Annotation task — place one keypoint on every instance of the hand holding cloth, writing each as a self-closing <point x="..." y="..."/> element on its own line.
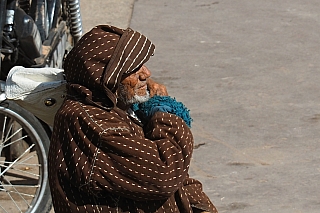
<point x="163" y="104"/>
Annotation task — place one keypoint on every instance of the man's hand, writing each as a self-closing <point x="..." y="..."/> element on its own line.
<point x="156" y="89"/>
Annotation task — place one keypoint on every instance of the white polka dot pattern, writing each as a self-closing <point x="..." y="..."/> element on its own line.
<point x="102" y="161"/>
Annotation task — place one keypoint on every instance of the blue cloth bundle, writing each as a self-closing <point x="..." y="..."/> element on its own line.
<point x="162" y="104"/>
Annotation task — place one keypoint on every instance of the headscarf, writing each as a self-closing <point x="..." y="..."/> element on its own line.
<point x="101" y="57"/>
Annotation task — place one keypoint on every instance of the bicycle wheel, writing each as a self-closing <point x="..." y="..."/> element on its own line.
<point x="23" y="179"/>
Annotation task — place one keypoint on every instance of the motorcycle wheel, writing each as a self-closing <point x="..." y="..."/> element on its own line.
<point x="24" y="183"/>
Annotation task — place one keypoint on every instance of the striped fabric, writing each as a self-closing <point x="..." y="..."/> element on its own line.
<point x="103" y="55"/>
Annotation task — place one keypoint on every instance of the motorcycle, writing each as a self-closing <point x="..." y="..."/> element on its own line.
<point x="36" y="36"/>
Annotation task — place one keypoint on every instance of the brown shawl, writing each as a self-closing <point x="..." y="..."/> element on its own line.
<point x="99" y="159"/>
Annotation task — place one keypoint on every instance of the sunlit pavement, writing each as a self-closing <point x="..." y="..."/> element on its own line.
<point x="249" y="72"/>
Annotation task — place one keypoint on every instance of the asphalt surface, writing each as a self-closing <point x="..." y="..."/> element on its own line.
<point x="248" y="70"/>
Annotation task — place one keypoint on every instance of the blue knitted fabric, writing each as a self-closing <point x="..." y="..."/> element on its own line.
<point x="163" y="104"/>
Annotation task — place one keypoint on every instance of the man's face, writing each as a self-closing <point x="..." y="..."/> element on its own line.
<point x="133" y="88"/>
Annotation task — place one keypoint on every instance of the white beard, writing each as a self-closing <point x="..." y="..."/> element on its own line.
<point x="139" y="99"/>
<point x="123" y="96"/>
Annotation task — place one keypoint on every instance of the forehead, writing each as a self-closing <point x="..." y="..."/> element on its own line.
<point x="133" y="74"/>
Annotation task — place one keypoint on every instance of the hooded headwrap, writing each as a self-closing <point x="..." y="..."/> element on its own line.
<point x="101" y="57"/>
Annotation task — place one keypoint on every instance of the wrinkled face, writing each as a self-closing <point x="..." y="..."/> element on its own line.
<point x="133" y="88"/>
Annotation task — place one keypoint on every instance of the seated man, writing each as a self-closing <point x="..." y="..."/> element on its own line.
<point x="102" y="158"/>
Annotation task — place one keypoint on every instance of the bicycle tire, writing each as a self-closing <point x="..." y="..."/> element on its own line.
<point x="29" y="168"/>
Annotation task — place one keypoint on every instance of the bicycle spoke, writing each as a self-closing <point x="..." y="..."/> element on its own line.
<point x="26" y="172"/>
<point x="22" y="171"/>
<point x="3" y="209"/>
<point x="11" y="136"/>
<point x="21" y="186"/>
<point x="3" y="131"/>
<point x="27" y="150"/>
<point x="15" y="203"/>
<point x="28" y="158"/>
<point x="10" y="124"/>
<point x="21" y="164"/>
<point x="17" y="140"/>
<point x="16" y="191"/>
<point x="23" y="157"/>
<point x="19" y="193"/>
<point x="3" y="128"/>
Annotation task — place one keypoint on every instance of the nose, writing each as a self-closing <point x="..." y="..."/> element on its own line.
<point x="144" y="73"/>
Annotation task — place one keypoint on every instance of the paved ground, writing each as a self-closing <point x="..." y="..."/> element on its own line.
<point x="115" y="12"/>
<point x="249" y="72"/>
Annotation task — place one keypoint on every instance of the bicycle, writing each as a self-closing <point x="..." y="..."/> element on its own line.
<point x="35" y="34"/>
